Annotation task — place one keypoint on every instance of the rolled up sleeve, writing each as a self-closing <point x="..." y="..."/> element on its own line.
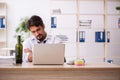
<point x="26" y="45"/>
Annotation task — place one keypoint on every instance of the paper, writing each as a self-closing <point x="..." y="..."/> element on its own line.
<point x="7" y="57"/>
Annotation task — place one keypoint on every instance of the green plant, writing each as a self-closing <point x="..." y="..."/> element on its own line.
<point x="22" y="26"/>
<point x="22" y="29"/>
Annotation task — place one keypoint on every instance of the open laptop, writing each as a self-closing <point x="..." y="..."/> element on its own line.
<point x="48" y="53"/>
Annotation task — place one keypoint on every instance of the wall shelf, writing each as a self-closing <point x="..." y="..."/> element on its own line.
<point x="103" y="17"/>
<point x="3" y="26"/>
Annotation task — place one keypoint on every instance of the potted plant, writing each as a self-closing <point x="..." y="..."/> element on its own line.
<point x="22" y="30"/>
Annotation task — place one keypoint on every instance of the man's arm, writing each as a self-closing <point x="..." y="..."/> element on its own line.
<point x="27" y="50"/>
<point x="29" y="54"/>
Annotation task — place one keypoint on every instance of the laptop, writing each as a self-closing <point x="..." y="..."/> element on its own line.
<point x="48" y="54"/>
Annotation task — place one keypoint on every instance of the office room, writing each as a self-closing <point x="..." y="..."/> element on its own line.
<point x="88" y="29"/>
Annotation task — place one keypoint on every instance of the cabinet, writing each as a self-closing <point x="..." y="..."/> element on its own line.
<point x="65" y="14"/>
<point x="3" y="27"/>
<point x="91" y="27"/>
<point x="113" y="26"/>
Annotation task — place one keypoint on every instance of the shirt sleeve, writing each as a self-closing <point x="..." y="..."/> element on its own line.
<point x="26" y="45"/>
<point x="25" y="57"/>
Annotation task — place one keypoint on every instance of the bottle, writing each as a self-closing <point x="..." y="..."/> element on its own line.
<point x="18" y="50"/>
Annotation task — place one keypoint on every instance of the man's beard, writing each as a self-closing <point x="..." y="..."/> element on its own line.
<point x="40" y="37"/>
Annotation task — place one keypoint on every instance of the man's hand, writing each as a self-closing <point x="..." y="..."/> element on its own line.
<point x="27" y="50"/>
<point x="30" y="54"/>
<point x="30" y="57"/>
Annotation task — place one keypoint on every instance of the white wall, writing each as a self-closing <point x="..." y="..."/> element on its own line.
<point x="17" y="9"/>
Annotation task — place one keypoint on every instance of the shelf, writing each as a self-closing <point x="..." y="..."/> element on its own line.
<point x="85" y="28"/>
<point x="90" y="0"/>
<point x="113" y="29"/>
<point x="101" y="16"/>
<point x="63" y="14"/>
<point x="2" y="29"/>
<point x="92" y="14"/>
<point x="2" y="16"/>
<point x="115" y="43"/>
<point x="3" y="25"/>
<point x="2" y="8"/>
<point x="113" y="14"/>
<point x="2" y="42"/>
<point x="113" y="57"/>
<point x="82" y="14"/>
<point x="114" y="0"/>
<point x="78" y="0"/>
<point x="63" y="0"/>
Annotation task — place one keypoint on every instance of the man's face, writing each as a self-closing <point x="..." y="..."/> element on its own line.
<point x="38" y="32"/>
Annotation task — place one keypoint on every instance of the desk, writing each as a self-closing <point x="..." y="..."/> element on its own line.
<point x="91" y="71"/>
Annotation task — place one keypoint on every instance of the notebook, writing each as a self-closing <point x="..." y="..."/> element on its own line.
<point x="48" y="53"/>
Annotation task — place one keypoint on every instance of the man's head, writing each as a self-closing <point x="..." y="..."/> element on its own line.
<point x="36" y="26"/>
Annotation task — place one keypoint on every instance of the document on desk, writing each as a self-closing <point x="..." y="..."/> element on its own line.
<point x="7" y="59"/>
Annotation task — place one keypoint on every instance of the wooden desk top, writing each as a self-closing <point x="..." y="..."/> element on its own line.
<point x="65" y="67"/>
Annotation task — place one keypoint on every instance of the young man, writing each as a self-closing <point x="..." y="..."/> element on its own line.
<point x="36" y="26"/>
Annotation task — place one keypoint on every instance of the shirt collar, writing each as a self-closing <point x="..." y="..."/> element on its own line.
<point x="33" y="38"/>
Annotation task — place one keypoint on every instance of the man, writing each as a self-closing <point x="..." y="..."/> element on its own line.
<point x="36" y="26"/>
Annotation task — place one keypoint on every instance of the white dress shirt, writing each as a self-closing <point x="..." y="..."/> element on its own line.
<point x="28" y="44"/>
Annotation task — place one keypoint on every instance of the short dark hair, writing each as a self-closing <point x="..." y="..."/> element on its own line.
<point x="34" y="21"/>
